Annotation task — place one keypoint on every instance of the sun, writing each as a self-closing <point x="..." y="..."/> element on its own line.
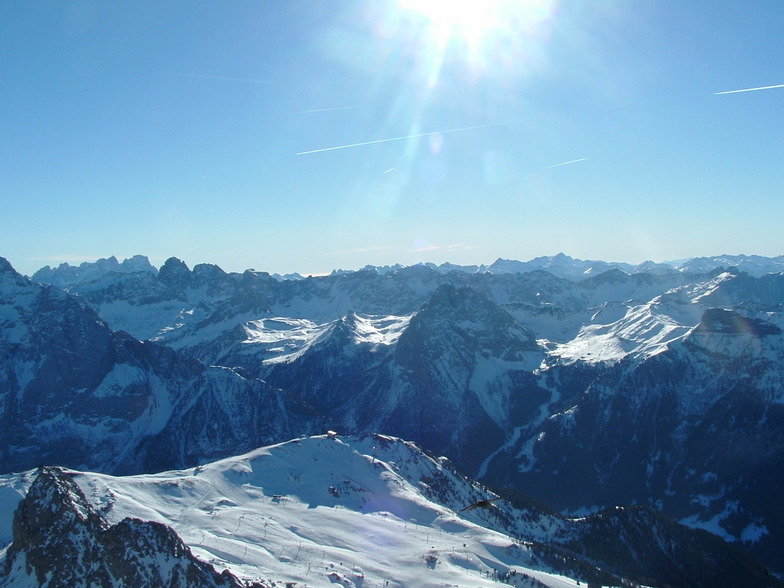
<point x="484" y="30"/>
<point x="470" y="20"/>
<point x="501" y="38"/>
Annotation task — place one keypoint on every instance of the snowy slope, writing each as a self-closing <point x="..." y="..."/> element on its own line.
<point x="364" y="511"/>
<point x="641" y="330"/>
<point x="617" y="330"/>
<point x="284" y="339"/>
<point x="318" y="512"/>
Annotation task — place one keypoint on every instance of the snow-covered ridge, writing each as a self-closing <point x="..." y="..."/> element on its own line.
<point x="354" y="511"/>
<point x="284" y="339"/>
<point x="316" y="512"/>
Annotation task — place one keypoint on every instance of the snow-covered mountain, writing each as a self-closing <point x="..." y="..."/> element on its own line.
<point x="559" y="265"/>
<point x="325" y="510"/>
<point x="74" y="392"/>
<point x="657" y="386"/>
<point x="60" y="539"/>
<point x="754" y="265"/>
<point x="441" y="377"/>
<point x="696" y="430"/>
<point x="66" y="274"/>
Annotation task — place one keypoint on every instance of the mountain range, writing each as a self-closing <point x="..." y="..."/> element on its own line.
<point x="581" y="385"/>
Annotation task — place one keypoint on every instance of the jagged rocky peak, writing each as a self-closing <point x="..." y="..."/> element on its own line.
<point x="10" y="279"/>
<point x="59" y="539"/>
<point x="349" y="321"/>
<point x="54" y="507"/>
<point x="342" y="335"/>
<point x="469" y="314"/>
<point x="466" y="304"/>
<point x="448" y="296"/>
<point x="652" y="267"/>
<point x="207" y="272"/>
<point x="212" y="276"/>
<point x="5" y="266"/>
<point x="52" y="531"/>
<point x="611" y="276"/>
<point x="65" y="275"/>
<point x="345" y="329"/>
<point x="419" y="271"/>
<point x="138" y="263"/>
<point x="458" y="301"/>
<point x="105" y="263"/>
<point x="175" y="273"/>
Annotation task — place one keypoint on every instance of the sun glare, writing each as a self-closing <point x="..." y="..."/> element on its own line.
<point x="489" y="34"/>
<point x="471" y="20"/>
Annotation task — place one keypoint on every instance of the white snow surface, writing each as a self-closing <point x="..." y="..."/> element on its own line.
<point x="642" y="330"/>
<point x="617" y="330"/>
<point x="318" y="511"/>
<point x="751" y="533"/>
<point x="284" y="339"/>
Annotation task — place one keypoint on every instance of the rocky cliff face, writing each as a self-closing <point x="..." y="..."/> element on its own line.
<point x="451" y="379"/>
<point x="656" y="551"/>
<point x="65" y="275"/>
<point x="696" y="431"/>
<point x="75" y="393"/>
<point x="59" y="539"/>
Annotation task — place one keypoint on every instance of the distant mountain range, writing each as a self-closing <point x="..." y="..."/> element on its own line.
<point x="580" y="384"/>
<point x="559" y="265"/>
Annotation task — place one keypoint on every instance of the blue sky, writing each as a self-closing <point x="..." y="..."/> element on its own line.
<point x="204" y="130"/>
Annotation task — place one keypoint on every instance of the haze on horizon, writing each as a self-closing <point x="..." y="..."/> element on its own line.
<point x="293" y="137"/>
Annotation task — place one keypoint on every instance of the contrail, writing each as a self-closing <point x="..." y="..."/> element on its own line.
<point x="566" y="162"/>
<point x="749" y="89"/>
<point x="444" y="132"/>
<point x="334" y="108"/>
<point x="219" y="78"/>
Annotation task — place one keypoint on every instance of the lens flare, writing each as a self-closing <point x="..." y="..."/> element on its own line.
<point x="500" y="39"/>
<point x="469" y="19"/>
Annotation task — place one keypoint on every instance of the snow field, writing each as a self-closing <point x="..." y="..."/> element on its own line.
<point x="318" y="512"/>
